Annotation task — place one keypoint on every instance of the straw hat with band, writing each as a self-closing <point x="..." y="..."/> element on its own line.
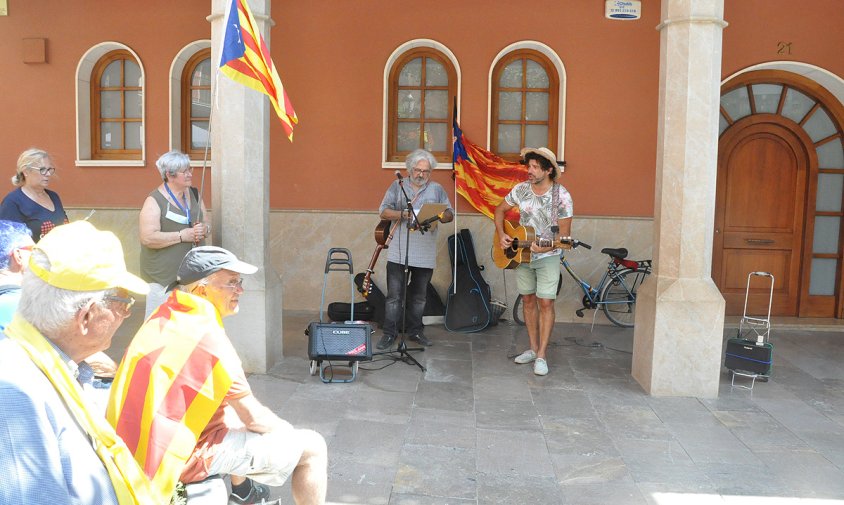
<point x="545" y="153"/>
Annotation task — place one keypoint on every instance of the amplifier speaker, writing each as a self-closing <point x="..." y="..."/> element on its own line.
<point x="340" y="341"/>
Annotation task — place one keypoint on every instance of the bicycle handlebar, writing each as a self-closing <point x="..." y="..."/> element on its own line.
<point x="575" y="243"/>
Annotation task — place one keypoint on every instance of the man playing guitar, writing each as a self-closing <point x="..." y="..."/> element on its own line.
<point x="422" y="256"/>
<point x="547" y="207"/>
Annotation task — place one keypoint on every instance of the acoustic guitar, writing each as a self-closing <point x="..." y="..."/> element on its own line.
<point x="383" y="236"/>
<point x="519" y="250"/>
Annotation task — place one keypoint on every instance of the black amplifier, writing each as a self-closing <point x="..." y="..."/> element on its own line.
<point x="339" y="341"/>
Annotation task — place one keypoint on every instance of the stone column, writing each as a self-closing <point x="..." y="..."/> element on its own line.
<point x="680" y="312"/>
<point x="240" y="136"/>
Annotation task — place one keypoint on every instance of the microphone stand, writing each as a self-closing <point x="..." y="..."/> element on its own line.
<point x="403" y="350"/>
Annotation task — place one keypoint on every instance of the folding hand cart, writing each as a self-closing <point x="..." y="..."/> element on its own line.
<point x="350" y="341"/>
<point x="750" y="353"/>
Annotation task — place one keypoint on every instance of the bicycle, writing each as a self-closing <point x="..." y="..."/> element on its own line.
<point x="615" y="294"/>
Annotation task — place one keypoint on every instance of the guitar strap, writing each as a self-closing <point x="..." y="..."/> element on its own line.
<point x="555" y="211"/>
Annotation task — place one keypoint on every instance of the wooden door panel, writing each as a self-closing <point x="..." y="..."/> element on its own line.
<point x="760" y="186"/>
<point x="760" y="201"/>
<point x="737" y="264"/>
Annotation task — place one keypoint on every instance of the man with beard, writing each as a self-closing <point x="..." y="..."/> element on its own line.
<point x="421" y="249"/>
<point x="547" y="207"/>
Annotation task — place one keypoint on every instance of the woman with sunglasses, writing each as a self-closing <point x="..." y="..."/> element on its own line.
<point x="31" y="203"/>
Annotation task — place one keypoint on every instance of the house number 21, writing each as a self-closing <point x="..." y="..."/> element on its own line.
<point x="783" y="47"/>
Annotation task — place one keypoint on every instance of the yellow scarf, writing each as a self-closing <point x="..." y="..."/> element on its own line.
<point x="130" y="484"/>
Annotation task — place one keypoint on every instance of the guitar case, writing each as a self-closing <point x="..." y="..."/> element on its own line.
<point x="468" y="307"/>
<point x="377" y="299"/>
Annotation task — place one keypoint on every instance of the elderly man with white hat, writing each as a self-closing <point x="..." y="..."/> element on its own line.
<point x="545" y="206"/>
<point x="55" y="445"/>
<point x="182" y="403"/>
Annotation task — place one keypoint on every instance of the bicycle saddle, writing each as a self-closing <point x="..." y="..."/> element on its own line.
<point x="619" y="253"/>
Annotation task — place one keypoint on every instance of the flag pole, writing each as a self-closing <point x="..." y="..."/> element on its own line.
<point x="454" y="176"/>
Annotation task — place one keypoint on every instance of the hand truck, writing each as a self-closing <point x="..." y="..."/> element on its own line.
<point x="750" y="353"/>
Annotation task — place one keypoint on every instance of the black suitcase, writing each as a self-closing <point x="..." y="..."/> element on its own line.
<point x="748" y="356"/>
<point x="342" y="311"/>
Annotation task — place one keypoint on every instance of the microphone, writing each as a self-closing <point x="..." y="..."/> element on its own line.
<point x="398" y="175"/>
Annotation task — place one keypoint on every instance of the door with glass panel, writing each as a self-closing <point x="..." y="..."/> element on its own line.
<point x="779" y="195"/>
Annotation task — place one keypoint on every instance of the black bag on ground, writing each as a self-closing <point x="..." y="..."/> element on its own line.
<point x="378" y="300"/>
<point x="342" y="311"/>
<point x="468" y="306"/>
<point x="748" y="356"/>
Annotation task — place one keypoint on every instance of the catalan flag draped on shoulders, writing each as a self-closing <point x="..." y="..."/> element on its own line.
<point x="483" y="178"/>
<point x="246" y="59"/>
<point x="171" y="382"/>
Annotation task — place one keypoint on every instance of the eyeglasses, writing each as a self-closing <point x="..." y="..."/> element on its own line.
<point x="421" y="172"/>
<point x="44" y="170"/>
<point x="188" y="170"/>
<point x="234" y="285"/>
<point x="129" y="302"/>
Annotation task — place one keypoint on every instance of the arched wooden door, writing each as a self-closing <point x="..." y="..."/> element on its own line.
<point x="780" y="195"/>
<point x="759" y="214"/>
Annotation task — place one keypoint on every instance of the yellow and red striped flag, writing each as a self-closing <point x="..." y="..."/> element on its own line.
<point x="168" y="386"/>
<point x="483" y="178"/>
<point x="246" y="59"/>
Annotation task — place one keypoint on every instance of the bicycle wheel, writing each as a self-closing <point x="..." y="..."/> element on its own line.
<point x="517" y="311"/>
<point x="618" y="298"/>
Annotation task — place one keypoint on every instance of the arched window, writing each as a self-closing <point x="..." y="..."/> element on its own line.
<point x="196" y="104"/>
<point x="525" y="101"/>
<point x="116" y="107"/>
<point x="422" y="84"/>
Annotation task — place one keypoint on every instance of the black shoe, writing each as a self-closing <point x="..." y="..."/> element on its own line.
<point x="421" y="339"/>
<point x="257" y="495"/>
<point x="386" y="342"/>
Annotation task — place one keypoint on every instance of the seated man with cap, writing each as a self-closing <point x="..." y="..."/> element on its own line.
<point x="181" y="401"/>
<point x="55" y="445"/>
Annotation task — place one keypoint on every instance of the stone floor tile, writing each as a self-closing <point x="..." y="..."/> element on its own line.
<point x="506" y="415"/>
<point x="513" y="453"/>
<point x="501" y="387"/>
<point x="367" y="441"/>
<point x="604" y="493"/>
<point x="448" y="370"/>
<point x="496" y="489"/>
<point x="381" y="406"/>
<point x="436" y="471"/>
<point x="445" y="396"/>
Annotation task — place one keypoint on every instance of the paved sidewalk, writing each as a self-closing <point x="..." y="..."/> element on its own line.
<point x="475" y="428"/>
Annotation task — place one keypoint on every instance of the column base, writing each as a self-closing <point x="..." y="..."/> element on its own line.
<point x="678" y="338"/>
<point x="256" y="330"/>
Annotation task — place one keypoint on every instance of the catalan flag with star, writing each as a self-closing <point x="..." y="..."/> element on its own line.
<point x="169" y="385"/>
<point x="483" y="178"/>
<point x="246" y="59"/>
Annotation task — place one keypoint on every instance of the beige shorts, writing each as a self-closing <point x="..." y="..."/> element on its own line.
<point x="539" y="277"/>
<point x="268" y="458"/>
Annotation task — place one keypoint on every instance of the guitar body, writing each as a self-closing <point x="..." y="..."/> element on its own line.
<point x="519" y="250"/>
<point x="382" y="232"/>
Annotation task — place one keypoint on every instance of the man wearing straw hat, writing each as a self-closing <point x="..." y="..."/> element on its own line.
<point x="545" y="206"/>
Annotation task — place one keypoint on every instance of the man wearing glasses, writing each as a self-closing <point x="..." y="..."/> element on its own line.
<point x="55" y="445"/>
<point x="421" y="248"/>
<point x="182" y="403"/>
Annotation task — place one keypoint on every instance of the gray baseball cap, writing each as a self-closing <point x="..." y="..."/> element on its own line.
<point x="200" y="262"/>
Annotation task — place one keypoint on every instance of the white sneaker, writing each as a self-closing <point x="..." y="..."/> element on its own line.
<point x="540" y="367"/>
<point x="525" y="357"/>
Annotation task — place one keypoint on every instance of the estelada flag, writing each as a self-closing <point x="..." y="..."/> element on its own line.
<point x="246" y="59"/>
<point x="484" y="178"/>
<point x="168" y="386"/>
